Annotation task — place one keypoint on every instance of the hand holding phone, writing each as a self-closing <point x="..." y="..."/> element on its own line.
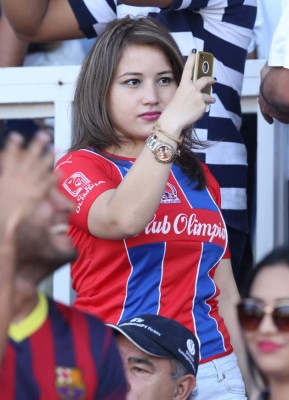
<point x="204" y="66"/>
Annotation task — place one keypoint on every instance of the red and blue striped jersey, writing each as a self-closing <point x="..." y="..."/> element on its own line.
<point x="224" y="28"/>
<point x="58" y="352"/>
<point x="167" y="269"/>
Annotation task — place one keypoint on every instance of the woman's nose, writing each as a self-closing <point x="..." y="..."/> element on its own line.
<point x="267" y="324"/>
<point x="150" y="93"/>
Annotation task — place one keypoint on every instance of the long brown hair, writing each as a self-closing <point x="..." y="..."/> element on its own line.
<point x="92" y="125"/>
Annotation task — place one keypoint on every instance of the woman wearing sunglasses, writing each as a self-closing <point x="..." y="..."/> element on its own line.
<point x="264" y="318"/>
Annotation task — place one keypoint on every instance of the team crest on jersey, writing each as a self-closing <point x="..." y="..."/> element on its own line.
<point x="170" y="195"/>
<point x="69" y="383"/>
<point x="76" y="183"/>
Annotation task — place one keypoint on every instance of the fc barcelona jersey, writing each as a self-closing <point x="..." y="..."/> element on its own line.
<point x="167" y="269"/>
<point x="60" y="353"/>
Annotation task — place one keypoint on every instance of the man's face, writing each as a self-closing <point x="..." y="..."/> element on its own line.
<point x="43" y="239"/>
<point x="149" y="377"/>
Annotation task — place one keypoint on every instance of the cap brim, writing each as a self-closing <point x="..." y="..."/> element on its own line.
<point x="143" y="342"/>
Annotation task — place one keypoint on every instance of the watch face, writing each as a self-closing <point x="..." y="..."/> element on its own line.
<point x="164" y="153"/>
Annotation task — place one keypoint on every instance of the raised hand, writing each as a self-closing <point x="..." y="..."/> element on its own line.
<point x="189" y="103"/>
<point x="273" y="99"/>
<point x="25" y="178"/>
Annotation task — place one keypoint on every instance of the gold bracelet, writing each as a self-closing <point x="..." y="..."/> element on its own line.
<point x="157" y="128"/>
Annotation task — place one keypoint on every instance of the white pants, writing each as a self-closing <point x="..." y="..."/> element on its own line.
<point x="220" y="379"/>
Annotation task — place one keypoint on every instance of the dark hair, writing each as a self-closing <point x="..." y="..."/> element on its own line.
<point x="92" y="126"/>
<point x="280" y="255"/>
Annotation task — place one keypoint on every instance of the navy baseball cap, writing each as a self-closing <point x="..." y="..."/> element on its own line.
<point x="162" y="337"/>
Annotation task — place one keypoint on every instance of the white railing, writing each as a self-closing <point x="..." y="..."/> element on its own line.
<point x="272" y="169"/>
<point x="40" y="92"/>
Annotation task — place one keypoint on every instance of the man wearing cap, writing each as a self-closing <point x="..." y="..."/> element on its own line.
<point x="160" y="357"/>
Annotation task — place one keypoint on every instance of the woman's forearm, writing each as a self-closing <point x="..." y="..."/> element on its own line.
<point x="41" y="20"/>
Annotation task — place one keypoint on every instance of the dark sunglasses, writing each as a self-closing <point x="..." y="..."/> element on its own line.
<point x="251" y="313"/>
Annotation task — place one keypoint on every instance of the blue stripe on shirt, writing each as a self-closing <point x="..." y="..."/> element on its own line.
<point x="144" y="279"/>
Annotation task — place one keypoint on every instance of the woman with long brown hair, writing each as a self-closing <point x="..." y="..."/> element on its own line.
<point x="147" y="223"/>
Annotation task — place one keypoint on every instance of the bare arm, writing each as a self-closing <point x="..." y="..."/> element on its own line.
<point x="12" y="50"/>
<point x="7" y="271"/>
<point x="115" y="214"/>
<point x="273" y="99"/>
<point x="228" y="298"/>
<point x="41" y="20"/>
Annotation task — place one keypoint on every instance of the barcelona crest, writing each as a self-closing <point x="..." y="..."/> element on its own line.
<point x="69" y="383"/>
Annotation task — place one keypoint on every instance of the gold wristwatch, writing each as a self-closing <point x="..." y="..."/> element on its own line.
<point x="163" y="152"/>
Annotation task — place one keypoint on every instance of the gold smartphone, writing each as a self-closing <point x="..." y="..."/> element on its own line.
<point x="204" y="66"/>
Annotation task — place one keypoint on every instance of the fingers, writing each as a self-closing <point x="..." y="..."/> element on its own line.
<point x="189" y="101"/>
<point x="265" y="110"/>
<point x="10" y="153"/>
<point x="268" y="118"/>
<point x="39" y="143"/>
<point x="201" y="83"/>
<point x="26" y="176"/>
<point x="188" y="68"/>
<point x="15" y="141"/>
<point x="37" y="162"/>
<point x="188" y="72"/>
<point x="38" y="154"/>
<point x="208" y="99"/>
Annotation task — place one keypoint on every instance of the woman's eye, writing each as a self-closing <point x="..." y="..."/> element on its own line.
<point x="132" y="82"/>
<point x="165" y="80"/>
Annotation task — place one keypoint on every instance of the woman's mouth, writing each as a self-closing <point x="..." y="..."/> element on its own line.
<point x="150" y="116"/>
<point x="269" y="347"/>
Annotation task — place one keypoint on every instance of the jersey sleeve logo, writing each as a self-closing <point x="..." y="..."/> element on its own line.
<point x="76" y="183"/>
<point x="69" y="383"/>
<point x="79" y="187"/>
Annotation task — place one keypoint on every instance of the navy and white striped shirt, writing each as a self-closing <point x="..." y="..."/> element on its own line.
<point x="223" y="27"/>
